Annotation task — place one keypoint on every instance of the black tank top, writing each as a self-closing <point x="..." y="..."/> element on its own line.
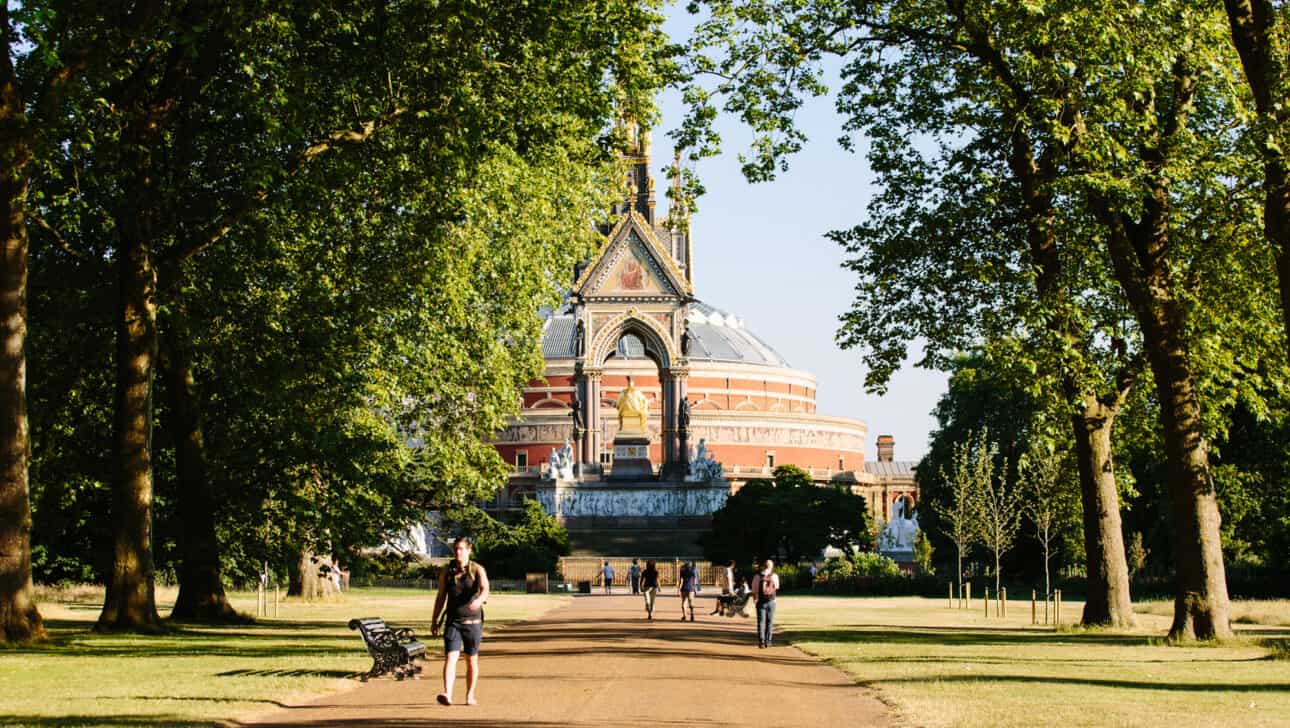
<point x="462" y="587"/>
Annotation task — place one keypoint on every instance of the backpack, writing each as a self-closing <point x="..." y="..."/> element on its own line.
<point x="766" y="588"/>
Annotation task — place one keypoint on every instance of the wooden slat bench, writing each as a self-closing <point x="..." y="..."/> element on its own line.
<point x="392" y="650"/>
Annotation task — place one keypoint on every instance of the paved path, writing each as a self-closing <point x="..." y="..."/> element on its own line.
<point x="598" y="662"/>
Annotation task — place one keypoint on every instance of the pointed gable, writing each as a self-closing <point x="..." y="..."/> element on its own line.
<point x="632" y="264"/>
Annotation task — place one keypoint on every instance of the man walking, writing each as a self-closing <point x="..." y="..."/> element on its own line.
<point x="607" y="574"/>
<point x="634" y="576"/>
<point x="463" y="589"/>
<point x="765" y="587"/>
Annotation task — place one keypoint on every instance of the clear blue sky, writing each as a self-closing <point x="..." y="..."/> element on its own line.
<point x="760" y="253"/>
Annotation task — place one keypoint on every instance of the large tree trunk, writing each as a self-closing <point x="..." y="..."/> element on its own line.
<point x="1200" y="602"/>
<point x="1108" y="601"/>
<point x="131" y="603"/>
<point x="201" y="588"/>
<point x="1138" y="250"/>
<point x="19" y="619"/>
<point x="310" y="583"/>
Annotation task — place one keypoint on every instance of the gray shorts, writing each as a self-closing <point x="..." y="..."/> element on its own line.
<point x="463" y="638"/>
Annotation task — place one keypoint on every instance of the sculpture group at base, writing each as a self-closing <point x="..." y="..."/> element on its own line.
<point x="561" y="466"/>
<point x="703" y="467"/>
<point x="900" y="532"/>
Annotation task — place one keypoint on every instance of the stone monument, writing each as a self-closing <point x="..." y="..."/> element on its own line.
<point x="631" y="444"/>
<point x="897" y="539"/>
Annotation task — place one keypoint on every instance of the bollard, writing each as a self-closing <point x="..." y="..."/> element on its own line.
<point x="985" y="599"/>
<point x="950" y="588"/>
<point x="968" y="586"/>
<point x="275" y="600"/>
<point x="1057" y="609"/>
<point x="1003" y="602"/>
<point x="1034" y="609"/>
<point x="1047" y="598"/>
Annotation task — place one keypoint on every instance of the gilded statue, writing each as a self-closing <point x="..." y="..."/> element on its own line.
<point x="633" y="410"/>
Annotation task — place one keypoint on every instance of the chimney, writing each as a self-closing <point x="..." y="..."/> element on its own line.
<point x="886" y="448"/>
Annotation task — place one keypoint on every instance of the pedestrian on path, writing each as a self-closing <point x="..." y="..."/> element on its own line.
<point x="463" y="589"/>
<point x="726" y="582"/>
<point x="765" y="586"/>
<point x="634" y="576"/>
<point x="686" y="584"/>
<point x="607" y="575"/>
<point x="649" y="585"/>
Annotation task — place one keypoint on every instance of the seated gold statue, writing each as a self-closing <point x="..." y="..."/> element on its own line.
<point x="633" y="410"/>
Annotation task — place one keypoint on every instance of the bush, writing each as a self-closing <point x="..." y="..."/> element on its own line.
<point x="863" y="564"/>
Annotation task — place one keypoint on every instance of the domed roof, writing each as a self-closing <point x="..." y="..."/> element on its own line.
<point x="715" y="335"/>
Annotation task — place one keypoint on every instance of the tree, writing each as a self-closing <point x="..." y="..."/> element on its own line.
<point x="202" y="123"/>
<point x="996" y="507"/>
<point x="790" y="518"/>
<point x="966" y="243"/>
<point x="973" y="465"/>
<point x="1116" y="145"/>
<point x="19" y="619"/>
<point x="1258" y="32"/>
<point x="1047" y="497"/>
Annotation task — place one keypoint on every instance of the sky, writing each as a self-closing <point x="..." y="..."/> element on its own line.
<point x="760" y="253"/>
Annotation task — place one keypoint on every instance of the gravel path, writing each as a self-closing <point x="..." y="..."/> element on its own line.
<point x="598" y="662"/>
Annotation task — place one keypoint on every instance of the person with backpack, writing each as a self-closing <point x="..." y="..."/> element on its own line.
<point x="687" y="584"/>
<point x="634" y="576"/>
<point x="765" y="587"/>
<point x="463" y="589"/>
<point x="649" y="587"/>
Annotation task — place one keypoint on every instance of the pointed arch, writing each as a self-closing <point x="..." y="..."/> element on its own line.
<point x="658" y="341"/>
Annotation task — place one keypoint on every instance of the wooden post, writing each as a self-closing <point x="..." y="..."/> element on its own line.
<point x="969" y="594"/>
<point x="985" y="599"/>
<point x="275" y="600"/>
<point x="1034" y="609"/>
<point x="1047" y="599"/>
<point x="1003" y="602"/>
<point x="950" y="589"/>
<point x="1057" y="608"/>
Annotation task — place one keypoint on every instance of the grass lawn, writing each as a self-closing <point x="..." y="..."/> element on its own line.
<point x="944" y="667"/>
<point x="199" y="676"/>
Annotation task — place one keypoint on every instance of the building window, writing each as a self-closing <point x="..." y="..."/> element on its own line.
<point x="606" y="457"/>
<point x="770" y="460"/>
<point x="842" y="463"/>
<point x="522" y="459"/>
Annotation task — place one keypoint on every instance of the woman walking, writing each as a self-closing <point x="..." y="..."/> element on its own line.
<point x="463" y="588"/>
<point x="687" y="584"/>
<point x="649" y="587"/>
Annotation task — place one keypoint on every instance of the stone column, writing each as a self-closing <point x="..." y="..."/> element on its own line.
<point x="667" y="417"/>
<point x="679" y="444"/>
<point x="591" y="439"/>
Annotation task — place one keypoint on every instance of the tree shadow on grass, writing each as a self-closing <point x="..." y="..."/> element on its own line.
<point x="962" y="636"/>
<point x="67" y="721"/>
<point x="1093" y="682"/>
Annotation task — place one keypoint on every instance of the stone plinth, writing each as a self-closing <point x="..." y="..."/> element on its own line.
<point x="631" y="459"/>
<point x="622" y="500"/>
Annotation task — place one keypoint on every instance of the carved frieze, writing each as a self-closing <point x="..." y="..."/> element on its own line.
<point x="572" y="500"/>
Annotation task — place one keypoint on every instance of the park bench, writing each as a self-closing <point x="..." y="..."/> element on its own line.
<point x="392" y="650"/>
